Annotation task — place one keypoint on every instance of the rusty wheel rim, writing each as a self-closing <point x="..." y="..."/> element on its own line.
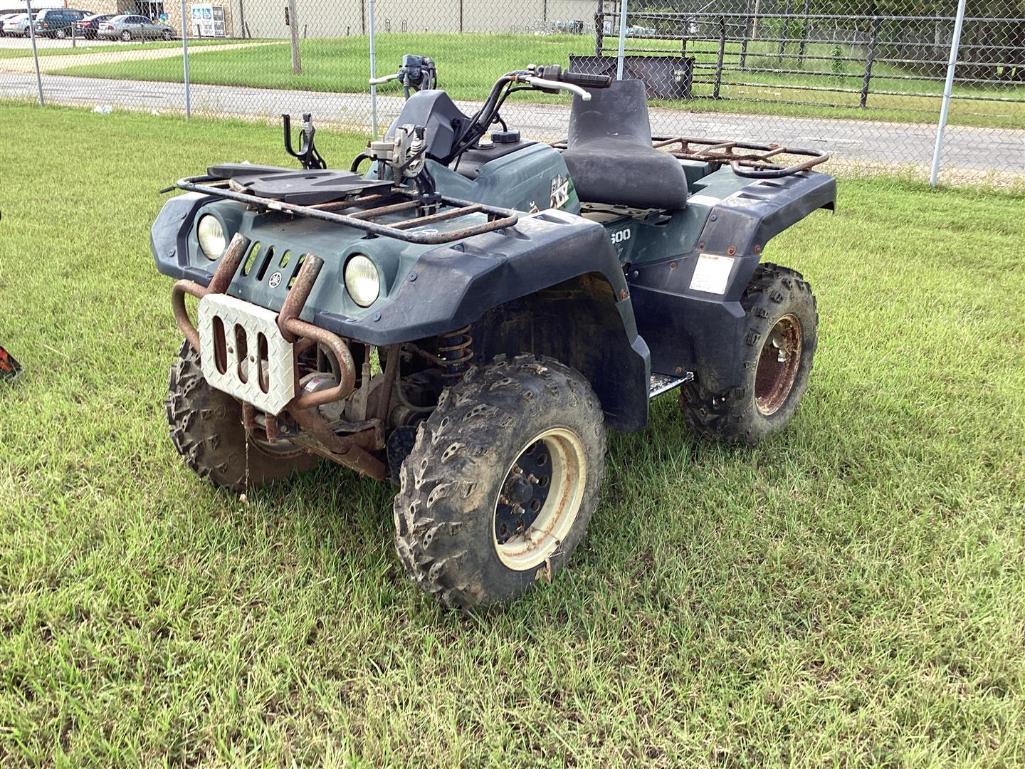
<point x="543" y="490"/>
<point x="778" y="364"/>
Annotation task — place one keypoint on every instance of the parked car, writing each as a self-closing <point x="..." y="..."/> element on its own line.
<point x="90" y="25"/>
<point x="16" y="26"/>
<point x="57" y="22"/>
<point x="135" y="28"/>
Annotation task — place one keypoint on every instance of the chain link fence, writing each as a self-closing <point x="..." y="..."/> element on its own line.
<point x="860" y="79"/>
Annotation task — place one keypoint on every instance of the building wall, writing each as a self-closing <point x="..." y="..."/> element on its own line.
<point x="339" y="18"/>
<point x="335" y="18"/>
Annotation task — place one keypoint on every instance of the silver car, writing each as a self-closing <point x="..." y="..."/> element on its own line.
<point x="135" y="28"/>
<point x="16" y="26"/>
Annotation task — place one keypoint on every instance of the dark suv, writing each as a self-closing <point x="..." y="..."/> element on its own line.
<point x="57" y="22"/>
<point x="90" y="25"/>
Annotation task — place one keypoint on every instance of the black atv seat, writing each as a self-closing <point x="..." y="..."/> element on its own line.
<point x="609" y="152"/>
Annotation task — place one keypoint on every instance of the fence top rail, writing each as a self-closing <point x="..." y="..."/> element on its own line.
<point x="683" y="15"/>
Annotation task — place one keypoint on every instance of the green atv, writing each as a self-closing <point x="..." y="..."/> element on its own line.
<point x="468" y="315"/>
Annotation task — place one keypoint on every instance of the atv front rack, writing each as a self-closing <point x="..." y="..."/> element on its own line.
<point x="366" y="211"/>
<point x="754" y="161"/>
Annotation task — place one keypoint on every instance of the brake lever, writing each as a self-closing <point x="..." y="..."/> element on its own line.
<point x="555" y="85"/>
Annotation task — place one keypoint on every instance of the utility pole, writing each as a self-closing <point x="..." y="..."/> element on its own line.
<point x="293" y="26"/>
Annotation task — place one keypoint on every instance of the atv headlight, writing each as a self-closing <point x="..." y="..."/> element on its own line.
<point x="362" y="280"/>
<point x="210" y="234"/>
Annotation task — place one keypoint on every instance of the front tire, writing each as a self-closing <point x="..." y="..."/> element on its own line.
<point x="206" y="429"/>
<point x="775" y="356"/>
<point x="501" y="483"/>
<point x="126" y="36"/>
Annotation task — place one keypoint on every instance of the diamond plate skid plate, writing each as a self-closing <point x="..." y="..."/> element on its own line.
<point x="279" y="374"/>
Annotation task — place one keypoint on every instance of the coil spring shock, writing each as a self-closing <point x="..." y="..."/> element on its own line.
<point x="455" y="350"/>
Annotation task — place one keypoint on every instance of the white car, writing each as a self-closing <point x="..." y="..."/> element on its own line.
<point x="16" y="26"/>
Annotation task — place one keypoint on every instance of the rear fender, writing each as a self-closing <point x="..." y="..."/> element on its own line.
<point x="691" y="325"/>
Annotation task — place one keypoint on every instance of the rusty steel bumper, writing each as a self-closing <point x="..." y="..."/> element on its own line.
<point x="349" y="450"/>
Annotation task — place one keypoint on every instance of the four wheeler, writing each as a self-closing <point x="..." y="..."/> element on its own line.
<point x="468" y="316"/>
<point x="416" y="73"/>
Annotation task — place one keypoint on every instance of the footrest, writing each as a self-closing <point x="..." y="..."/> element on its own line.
<point x="660" y="383"/>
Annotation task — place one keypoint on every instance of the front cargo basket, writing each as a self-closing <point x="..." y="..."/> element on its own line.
<point x="378" y="212"/>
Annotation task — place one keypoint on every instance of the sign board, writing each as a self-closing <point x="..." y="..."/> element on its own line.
<point x="207" y="20"/>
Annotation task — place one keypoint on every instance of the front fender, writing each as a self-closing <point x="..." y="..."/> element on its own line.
<point x="549" y="255"/>
<point x="454" y="285"/>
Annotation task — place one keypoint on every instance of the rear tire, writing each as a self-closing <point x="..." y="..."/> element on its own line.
<point x="126" y="36"/>
<point x="206" y="429"/>
<point x="776" y="355"/>
<point x="501" y="483"/>
<point x="165" y="35"/>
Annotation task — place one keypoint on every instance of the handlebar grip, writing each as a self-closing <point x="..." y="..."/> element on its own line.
<point x="586" y="80"/>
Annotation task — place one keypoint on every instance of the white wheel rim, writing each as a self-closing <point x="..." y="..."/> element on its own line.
<point x="554" y="521"/>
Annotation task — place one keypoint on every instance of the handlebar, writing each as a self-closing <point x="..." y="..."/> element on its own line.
<point x="548" y="78"/>
<point x="385" y="79"/>
<point x="583" y="79"/>
<point x="554" y="85"/>
<point x="586" y="80"/>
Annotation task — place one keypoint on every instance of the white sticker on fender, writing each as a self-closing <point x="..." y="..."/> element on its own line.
<point x="712" y="273"/>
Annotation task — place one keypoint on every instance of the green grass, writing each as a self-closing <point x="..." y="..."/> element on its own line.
<point x="340" y="65"/>
<point x="850" y="593"/>
<point x="136" y="45"/>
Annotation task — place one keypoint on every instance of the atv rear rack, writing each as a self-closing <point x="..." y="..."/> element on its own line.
<point x="370" y="208"/>
<point x="754" y="161"/>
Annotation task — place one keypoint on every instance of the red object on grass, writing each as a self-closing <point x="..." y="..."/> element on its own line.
<point x="9" y="367"/>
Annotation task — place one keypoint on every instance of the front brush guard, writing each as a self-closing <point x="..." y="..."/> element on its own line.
<point x="346" y="450"/>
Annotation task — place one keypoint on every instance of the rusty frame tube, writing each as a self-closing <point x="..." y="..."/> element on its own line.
<point x="293" y="328"/>
<point x="218" y="284"/>
<point x="349" y="451"/>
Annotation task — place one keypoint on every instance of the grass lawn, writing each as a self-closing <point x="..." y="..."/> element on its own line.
<point x="340" y="65"/>
<point x="850" y="593"/>
<point x="136" y="45"/>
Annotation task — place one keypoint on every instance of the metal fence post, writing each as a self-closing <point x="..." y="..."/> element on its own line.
<point x="719" y="57"/>
<point x="372" y="28"/>
<point x="804" y="35"/>
<point x="35" y="52"/>
<point x="293" y="31"/>
<point x="599" y="27"/>
<point x="743" y="43"/>
<point x="784" y="33"/>
<point x="621" y="56"/>
<point x="185" y="63"/>
<point x="948" y="90"/>
<point x="869" y="59"/>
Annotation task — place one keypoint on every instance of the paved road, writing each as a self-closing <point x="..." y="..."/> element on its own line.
<point x="862" y="143"/>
